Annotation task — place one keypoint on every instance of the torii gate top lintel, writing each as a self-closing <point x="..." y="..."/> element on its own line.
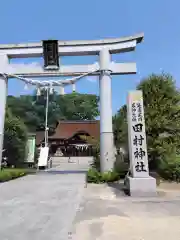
<point x="74" y="48"/>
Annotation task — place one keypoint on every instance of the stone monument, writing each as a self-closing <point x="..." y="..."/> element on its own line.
<point x="139" y="183"/>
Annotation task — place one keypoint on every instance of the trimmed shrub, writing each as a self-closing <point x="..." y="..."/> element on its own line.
<point x="120" y="166"/>
<point x="96" y="163"/>
<point x="9" y="174"/>
<point x="169" y="168"/>
<point x="93" y="176"/>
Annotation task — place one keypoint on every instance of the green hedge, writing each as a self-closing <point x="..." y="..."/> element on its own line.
<point x="9" y="174"/>
<point x="169" y="168"/>
<point x="94" y="176"/>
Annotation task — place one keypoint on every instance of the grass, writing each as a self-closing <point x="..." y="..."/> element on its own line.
<point x="8" y="174"/>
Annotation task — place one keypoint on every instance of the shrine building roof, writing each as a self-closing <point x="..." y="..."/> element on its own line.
<point x="67" y="129"/>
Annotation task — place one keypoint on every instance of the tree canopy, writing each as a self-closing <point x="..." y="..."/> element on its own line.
<point x="162" y="115"/>
<point x="120" y="127"/>
<point x="15" y="137"/>
<point x="75" y="106"/>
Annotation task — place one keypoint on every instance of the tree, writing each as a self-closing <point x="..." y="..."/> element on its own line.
<point x="15" y="138"/>
<point x="75" y="106"/>
<point x="120" y="128"/>
<point x="25" y="108"/>
<point x="162" y="116"/>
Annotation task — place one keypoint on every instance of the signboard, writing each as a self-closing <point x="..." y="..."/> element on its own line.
<point x="50" y="54"/>
<point x="137" y="135"/>
<point x="30" y="154"/>
<point x="43" y="157"/>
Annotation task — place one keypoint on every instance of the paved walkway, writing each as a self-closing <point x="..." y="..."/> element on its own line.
<point x="47" y="207"/>
<point x="106" y="213"/>
<point x="39" y="207"/>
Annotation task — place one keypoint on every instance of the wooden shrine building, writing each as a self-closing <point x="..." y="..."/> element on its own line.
<point x="72" y="138"/>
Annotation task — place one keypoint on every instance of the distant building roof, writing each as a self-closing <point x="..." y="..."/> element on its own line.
<point x="67" y="129"/>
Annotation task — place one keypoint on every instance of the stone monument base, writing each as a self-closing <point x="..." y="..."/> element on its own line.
<point x="141" y="187"/>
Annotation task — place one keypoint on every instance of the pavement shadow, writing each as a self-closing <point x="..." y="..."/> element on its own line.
<point x="119" y="189"/>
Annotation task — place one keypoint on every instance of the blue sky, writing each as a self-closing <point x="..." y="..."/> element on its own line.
<point x="31" y="21"/>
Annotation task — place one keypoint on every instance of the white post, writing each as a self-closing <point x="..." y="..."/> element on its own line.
<point x="107" y="157"/>
<point x="3" y="94"/>
<point x="46" y="117"/>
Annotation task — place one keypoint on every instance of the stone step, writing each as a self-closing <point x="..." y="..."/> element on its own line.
<point x="72" y="164"/>
<point x="71" y="167"/>
<point x="88" y="160"/>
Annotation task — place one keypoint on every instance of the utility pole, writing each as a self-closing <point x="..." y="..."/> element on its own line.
<point x="46" y="117"/>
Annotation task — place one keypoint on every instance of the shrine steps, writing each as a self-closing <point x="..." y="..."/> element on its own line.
<point x="72" y="163"/>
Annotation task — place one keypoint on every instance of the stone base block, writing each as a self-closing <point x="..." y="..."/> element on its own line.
<point x="141" y="187"/>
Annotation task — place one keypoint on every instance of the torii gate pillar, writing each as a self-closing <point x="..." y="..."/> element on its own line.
<point x="3" y="94"/>
<point x="107" y="155"/>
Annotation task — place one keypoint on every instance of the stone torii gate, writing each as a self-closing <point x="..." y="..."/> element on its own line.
<point x="104" y="69"/>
